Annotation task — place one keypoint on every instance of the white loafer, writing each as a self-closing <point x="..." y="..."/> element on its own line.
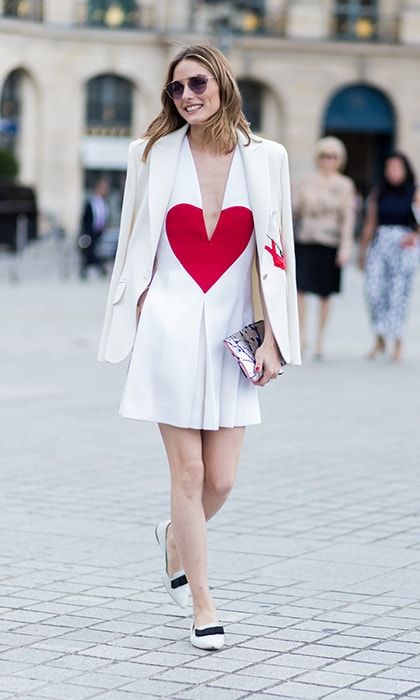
<point x="177" y="584"/>
<point x="207" y="636"/>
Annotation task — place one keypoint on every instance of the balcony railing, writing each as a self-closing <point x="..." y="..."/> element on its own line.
<point x="115" y="14"/>
<point x="31" y="10"/>
<point x="222" y="20"/>
<point x="357" y="21"/>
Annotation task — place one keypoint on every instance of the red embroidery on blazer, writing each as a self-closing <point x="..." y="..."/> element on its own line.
<point x="277" y="255"/>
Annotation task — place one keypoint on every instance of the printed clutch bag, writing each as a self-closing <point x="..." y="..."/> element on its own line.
<point x="243" y="345"/>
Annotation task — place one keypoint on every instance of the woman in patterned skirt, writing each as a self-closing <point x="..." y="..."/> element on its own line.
<point x="389" y="252"/>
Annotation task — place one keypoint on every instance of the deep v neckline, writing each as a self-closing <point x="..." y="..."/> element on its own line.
<point x="200" y="195"/>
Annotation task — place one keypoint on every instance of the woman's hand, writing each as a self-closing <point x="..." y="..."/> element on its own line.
<point x="268" y="359"/>
<point x="342" y="258"/>
<point x="410" y="239"/>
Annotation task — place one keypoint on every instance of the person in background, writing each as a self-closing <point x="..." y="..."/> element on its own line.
<point x="389" y="252"/>
<point x="94" y="221"/>
<point x="324" y="210"/>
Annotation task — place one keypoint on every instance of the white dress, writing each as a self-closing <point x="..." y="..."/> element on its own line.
<point x="180" y="373"/>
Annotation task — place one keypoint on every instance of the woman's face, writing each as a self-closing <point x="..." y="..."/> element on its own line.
<point x="196" y="109"/>
<point x="328" y="161"/>
<point x="395" y="171"/>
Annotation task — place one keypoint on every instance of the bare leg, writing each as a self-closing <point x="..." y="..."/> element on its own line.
<point x="203" y="469"/>
<point x="378" y="348"/>
<point x="324" y="310"/>
<point x="184" y="450"/>
<point x="221" y="450"/>
<point x="302" y="318"/>
<point x="396" y="355"/>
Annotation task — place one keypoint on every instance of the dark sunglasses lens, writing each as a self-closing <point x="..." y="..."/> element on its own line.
<point x="198" y="84"/>
<point x="175" y="90"/>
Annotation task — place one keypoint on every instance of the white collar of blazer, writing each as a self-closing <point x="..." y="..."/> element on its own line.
<point x="163" y="162"/>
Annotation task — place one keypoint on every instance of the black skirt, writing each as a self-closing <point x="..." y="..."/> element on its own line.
<point x="316" y="269"/>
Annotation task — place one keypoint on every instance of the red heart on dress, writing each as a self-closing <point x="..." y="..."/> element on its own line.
<point x="206" y="260"/>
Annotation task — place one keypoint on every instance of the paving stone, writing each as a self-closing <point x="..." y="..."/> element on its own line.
<point x="382" y="657"/>
<point x="358" y="668"/>
<point x="241" y="682"/>
<point x="325" y="677"/>
<point x="47" y="673"/>
<point x="402" y="673"/>
<point x="350" y="694"/>
<point x="108" y="651"/>
<point x="188" y="675"/>
<point x="203" y="693"/>
<point x="64" y="691"/>
<point x="161" y="689"/>
<point x="386" y="685"/>
<point x="30" y="655"/>
<point x="100" y="679"/>
<point x="78" y="662"/>
<point x="345" y="640"/>
<point x="131" y="669"/>
<point x="299" y="661"/>
<point x="323" y="650"/>
<point x="15" y="684"/>
<point x="292" y="689"/>
<point x="269" y="644"/>
<point x="268" y="670"/>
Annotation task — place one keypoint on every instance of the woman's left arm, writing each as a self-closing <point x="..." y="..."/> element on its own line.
<point x="348" y="224"/>
<point x="413" y="237"/>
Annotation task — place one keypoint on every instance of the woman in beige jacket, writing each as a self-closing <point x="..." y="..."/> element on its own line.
<point x="324" y="210"/>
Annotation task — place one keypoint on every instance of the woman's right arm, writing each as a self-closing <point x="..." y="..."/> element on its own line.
<point x="369" y="227"/>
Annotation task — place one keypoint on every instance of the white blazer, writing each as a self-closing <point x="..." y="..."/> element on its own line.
<point x="146" y="196"/>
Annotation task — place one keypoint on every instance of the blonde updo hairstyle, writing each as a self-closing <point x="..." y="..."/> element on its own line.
<point x="330" y="144"/>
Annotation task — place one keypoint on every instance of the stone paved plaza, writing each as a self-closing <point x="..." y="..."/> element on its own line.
<point x="314" y="561"/>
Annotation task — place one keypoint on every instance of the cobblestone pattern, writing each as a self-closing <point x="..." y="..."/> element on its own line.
<point x="314" y="561"/>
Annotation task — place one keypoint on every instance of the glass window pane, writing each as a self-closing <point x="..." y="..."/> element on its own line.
<point x="109" y="105"/>
<point x="24" y="9"/>
<point x="252" y="95"/>
<point x="112" y="13"/>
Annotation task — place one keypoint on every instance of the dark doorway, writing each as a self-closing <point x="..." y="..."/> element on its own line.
<point x="363" y="118"/>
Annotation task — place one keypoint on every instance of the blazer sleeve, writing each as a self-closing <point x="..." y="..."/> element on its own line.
<point x="126" y="225"/>
<point x="289" y="253"/>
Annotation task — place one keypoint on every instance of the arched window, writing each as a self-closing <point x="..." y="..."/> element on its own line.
<point x="109" y="106"/>
<point x="112" y="13"/>
<point x="32" y="10"/>
<point x="252" y="94"/>
<point x="10" y="110"/>
<point x="363" y="117"/>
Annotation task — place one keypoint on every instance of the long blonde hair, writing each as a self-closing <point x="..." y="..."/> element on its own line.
<point x="220" y="129"/>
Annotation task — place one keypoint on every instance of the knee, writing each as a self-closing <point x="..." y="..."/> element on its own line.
<point x="220" y="486"/>
<point x="188" y="478"/>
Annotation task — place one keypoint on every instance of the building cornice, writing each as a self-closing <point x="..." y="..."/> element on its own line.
<point x="74" y="33"/>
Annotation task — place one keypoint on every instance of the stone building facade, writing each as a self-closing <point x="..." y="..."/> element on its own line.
<point x="80" y="78"/>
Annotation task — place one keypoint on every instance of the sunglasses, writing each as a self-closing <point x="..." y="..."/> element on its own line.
<point x="332" y="156"/>
<point x="197" y="84"/>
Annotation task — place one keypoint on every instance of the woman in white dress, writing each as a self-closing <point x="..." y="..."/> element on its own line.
<point x="201" y="205"/>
